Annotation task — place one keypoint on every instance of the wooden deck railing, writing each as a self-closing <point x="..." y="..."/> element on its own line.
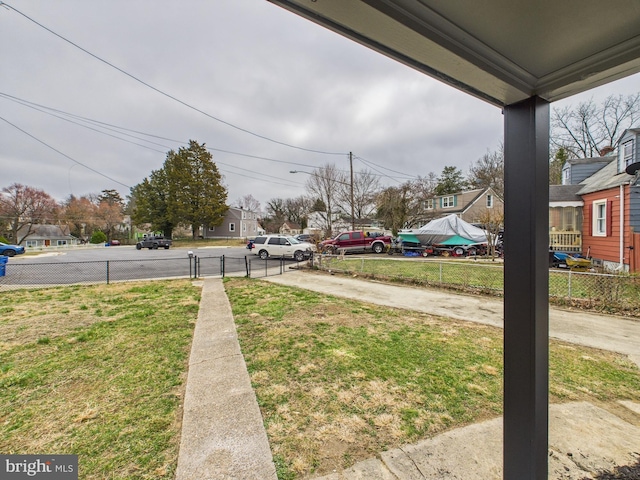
<point x="565" y="241"/>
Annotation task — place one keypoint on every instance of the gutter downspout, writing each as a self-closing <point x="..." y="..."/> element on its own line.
<point x="621" y="228"/>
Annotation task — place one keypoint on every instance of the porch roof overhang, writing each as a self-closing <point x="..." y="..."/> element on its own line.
<point x="500" y="51"/>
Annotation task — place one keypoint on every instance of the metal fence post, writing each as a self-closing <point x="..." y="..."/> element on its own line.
<point x="107" y="272"/>
<point x="222" y="265"/>
<point x="569" y="287"/>
<point x="247" y="266"/>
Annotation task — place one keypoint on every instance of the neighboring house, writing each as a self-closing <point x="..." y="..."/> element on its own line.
<point x="611" y="227"/>
<point x="237" y="223"/>
<point x="290" y="228"/>
<point x="565" y="218"/>
<point x="472" y="206"/>
<point x="611" y="206"/>
<point x="577" y="170"/>
<point x="48" y="236"/>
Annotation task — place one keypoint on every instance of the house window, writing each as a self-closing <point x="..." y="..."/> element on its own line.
<point x="448" y="202"/>
<point x="627" y="153"/>
<point x="244" y="215"/>
<point x="244" y="227"/>
<point x="600" y="218"/>
<point x="232" y="227"/>
<point x="212" y="229"/>
<point x="428" y="204"/>
<point x="489" y="201"/>
<point x="62" y="242"/>
<point x="565" y="176"/>
<point x="31" y="243"/>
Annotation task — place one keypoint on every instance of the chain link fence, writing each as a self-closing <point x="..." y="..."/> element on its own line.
<point x="39" y="274"/>
<point x="603" y="292"/>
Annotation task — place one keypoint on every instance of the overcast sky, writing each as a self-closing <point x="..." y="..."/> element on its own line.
<point x="266" y="90"/>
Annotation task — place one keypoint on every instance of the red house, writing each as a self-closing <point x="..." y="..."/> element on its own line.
<point x="611" y="211"/>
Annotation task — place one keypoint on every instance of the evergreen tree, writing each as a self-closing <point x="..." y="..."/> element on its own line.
<point x="197" y="196"/>
<point x="451" y="180"/>
<point x="149" y="202"/>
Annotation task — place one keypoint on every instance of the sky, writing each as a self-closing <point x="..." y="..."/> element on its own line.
<point x="94" y="94"/>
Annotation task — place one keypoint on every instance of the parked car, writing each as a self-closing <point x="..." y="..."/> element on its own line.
<point x="304" y="237"/>
<point x="11" y="250"/>
<point x="266" y="246"/>
<point x="114" y="243"/>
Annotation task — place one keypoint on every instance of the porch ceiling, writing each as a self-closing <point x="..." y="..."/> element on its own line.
<point x="502" y="51"/>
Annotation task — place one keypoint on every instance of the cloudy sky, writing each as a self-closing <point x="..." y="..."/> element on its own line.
<point x="94" y="94"/>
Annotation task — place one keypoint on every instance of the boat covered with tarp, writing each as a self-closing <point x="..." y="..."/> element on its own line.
<point x="447" y="231"/>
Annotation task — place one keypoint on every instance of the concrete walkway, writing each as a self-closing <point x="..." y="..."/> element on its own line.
<point x="223" y="436"/>
<point x="583" y="440"/>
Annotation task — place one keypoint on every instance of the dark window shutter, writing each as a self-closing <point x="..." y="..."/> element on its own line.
<point x="609" y="218"/>
<point x="591" y="232"/>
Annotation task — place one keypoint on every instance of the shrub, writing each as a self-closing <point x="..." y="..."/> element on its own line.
<point x="98" y="237"/>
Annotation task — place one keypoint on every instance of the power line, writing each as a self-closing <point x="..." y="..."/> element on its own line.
<point x="119" y="129"/>
<point x="64" y="154"/>
<point x="161" y="92"/>
<point x="369" y="162"/>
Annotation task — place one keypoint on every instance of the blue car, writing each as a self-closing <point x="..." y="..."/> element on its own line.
<point x="11" y="250"/>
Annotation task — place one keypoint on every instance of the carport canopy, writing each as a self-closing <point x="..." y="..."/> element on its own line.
<point x="519" y="55"/>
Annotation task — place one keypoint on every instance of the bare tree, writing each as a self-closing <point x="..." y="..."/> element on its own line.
<point x="393" y="207"/>
<point x="22" y="207"/>
<point x="366" y="186"/>
<point x="297" y="210"/>
<point x="324" y="186"/>
<point x="493" y="224"/>
<point x="276" y="214"/>
<point x="488" y="171"/>
<point x="589" y="128"/>
<point x="248" y="203"/>
<point x="79" y="215"/>
<point x="407" y="205"/>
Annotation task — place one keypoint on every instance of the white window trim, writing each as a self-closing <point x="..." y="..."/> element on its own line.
<point x="232" y="227"/>
<point x="489" y="200"/>
<point x="449" y="201"/>
<point x="597" y="221"/>
<point x="627" y="153"/>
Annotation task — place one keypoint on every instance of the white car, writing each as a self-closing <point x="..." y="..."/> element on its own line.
<point x="266" y="246"/>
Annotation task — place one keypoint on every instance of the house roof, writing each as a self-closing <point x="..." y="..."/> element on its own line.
<point x="604" y="179"/>
<point x="545" y="48"/>
<point x="47" y="232"/>
<point x="587" y="161"/>
<point x="564" y="194"/>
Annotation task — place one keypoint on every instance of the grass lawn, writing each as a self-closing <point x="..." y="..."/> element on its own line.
<point x="339" y="381"/>
<point x="97" y="371"/>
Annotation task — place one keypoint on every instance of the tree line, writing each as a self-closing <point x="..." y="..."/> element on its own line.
<point x="188" y="190"/>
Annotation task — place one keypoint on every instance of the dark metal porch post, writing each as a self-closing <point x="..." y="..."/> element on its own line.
<point x="526" y="299"/>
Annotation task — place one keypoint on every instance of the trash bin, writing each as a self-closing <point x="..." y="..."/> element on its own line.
<point x="3" y="265"/>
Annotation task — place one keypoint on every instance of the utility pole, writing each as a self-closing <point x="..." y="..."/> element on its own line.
<point x="353" y="217"/>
